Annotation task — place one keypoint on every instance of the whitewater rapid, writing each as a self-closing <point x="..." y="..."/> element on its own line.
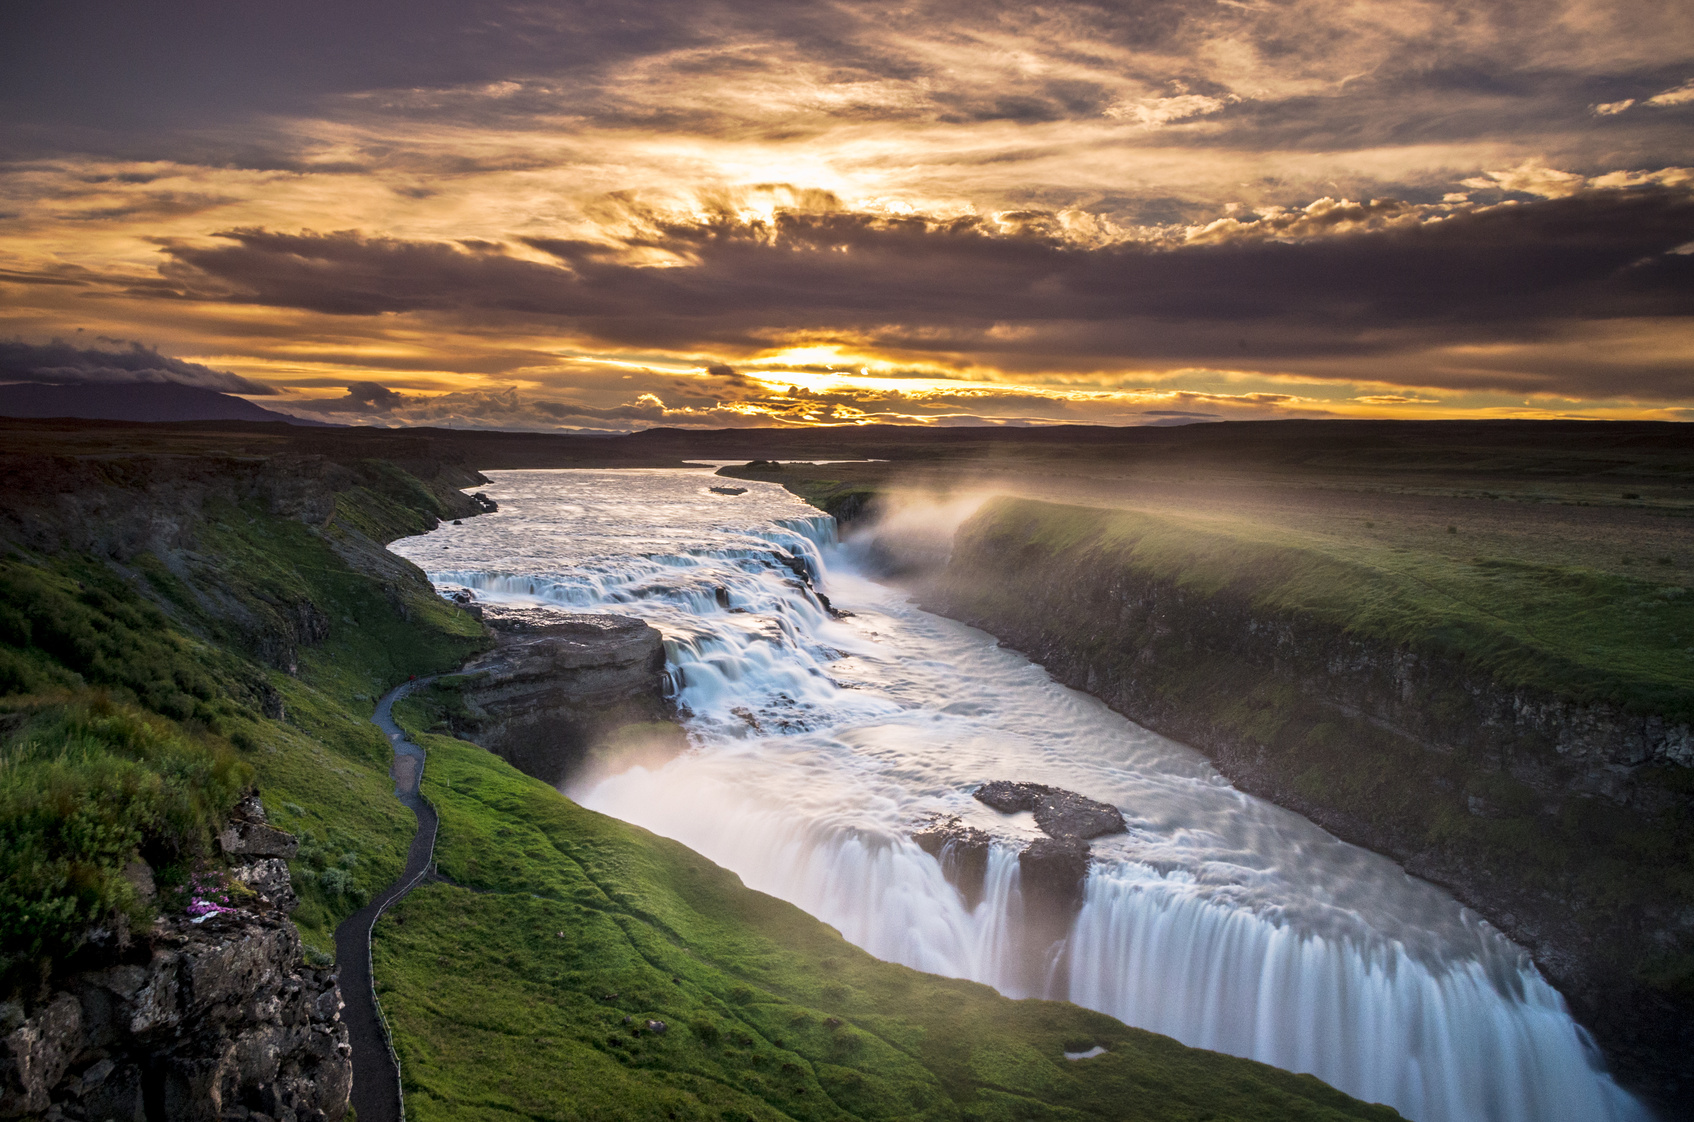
<point x="1219" y="919"/>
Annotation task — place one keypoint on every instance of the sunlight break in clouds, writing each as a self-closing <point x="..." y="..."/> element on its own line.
<point x="561" y="215"/>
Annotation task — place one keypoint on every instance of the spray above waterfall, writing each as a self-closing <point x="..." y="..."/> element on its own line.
<point x="821" y="745"/>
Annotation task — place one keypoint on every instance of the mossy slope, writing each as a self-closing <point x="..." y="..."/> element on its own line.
<point x="523" y="987"/>
<point x="142" y="691"/>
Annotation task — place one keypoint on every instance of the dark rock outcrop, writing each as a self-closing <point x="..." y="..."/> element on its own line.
<point x="466" y="599"/>
<point x="1054" y="870"/>
<point x="1055" y="867"/>
<point x="556" y="683"/>
<point x="962" y="851"/>
<point x="208" y="1020"/>
<point x="249" y="835"/>
<point x="1059" y="813"/>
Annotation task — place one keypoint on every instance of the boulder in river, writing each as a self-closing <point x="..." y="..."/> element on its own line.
<point x="962" y="851"/>
<point x="1059" y="813"/>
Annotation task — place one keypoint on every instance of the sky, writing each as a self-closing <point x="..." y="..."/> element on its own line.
<point x="605" y="217"/>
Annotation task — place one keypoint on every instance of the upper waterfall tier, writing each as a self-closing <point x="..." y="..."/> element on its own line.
<point x="819" y="742"/>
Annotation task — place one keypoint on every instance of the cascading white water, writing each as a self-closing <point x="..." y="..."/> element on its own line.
<point x="1219" y="919"/>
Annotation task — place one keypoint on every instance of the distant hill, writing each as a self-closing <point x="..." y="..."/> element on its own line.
<point x="135" y="401"/>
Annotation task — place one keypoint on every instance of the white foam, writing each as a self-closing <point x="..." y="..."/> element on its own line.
<point x="1219" y="919"/>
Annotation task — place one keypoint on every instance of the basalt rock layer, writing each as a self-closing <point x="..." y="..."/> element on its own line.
<point x="962" y="851"/>
<point x="1053" y="871"/>
<point x="556" y="683"/>
<point x="219" y="1019"/>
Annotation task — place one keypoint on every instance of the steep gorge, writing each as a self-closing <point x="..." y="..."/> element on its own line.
<point x="1561" y="817"/>
<point x="241" y="611"/>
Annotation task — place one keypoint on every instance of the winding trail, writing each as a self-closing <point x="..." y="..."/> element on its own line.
<point x="376" y="1071"/>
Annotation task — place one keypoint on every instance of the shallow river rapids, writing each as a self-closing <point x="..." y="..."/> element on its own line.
<point x="1219" y="919"/>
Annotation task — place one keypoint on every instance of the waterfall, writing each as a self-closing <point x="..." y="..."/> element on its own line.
<point x="1221" y="920"/>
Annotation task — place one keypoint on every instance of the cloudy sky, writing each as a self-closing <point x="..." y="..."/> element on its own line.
<point x="612" y="216"/>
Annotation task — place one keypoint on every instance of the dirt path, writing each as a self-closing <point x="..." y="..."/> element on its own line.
<point x="376" y="1073"/>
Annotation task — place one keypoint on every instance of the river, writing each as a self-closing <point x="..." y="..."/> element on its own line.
<point x="1219" y="919"/>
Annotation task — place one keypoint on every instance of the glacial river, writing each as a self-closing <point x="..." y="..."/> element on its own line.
<point x="1219" y="919"/>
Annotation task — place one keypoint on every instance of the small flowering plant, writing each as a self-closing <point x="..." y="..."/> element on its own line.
<point x="208" y="895"/>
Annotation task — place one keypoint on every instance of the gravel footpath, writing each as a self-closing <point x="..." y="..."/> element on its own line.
<point x="376" y="1073"/>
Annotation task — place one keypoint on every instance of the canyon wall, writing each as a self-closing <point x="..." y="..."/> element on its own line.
<point x="1563" y="821"/>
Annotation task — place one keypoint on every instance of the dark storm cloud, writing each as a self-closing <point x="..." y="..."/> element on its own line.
<point x="1512" y="272"/>
<point x="517" y="176"/>
<point x="112" y="76"/>
<point x="105" y="75"/>
<point x="162" y="204"/>
<point x="62" y="363"/>
<point x="650" y="409"/>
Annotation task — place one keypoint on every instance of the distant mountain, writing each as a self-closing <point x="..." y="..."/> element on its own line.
<point x="134" y="401"/>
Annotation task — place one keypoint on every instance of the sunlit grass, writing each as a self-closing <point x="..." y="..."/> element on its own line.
<point x="525" y="988"/>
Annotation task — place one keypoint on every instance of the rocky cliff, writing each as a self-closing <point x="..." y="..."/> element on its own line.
<point x="170" y="602"/>
<point x="555" y="684"/>
<point x="1563" y="821"/>
<point x="212" y="1015"/>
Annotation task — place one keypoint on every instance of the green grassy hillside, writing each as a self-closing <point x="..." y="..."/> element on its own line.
<point x="137" y="705"/>
<point x="141" y="693"/>
<point x="524" y="987"/>
<point x="1579" y="633"/>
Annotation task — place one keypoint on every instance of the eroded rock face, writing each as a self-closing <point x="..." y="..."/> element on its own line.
<point x="1059" y="813"/>
<point x="1053" y="873"/>
<point x="1055" y="867"/>
<point x="249" y="835"/>
<point x="216" y="1020"/>
<point x="556" y="682"/>
<point x="1008" y="797"/>
<point x="962" y="851"/>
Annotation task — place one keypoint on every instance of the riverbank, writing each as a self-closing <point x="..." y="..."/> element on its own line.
<point x="242" y="613"/>
<point x="1507" y="731"/>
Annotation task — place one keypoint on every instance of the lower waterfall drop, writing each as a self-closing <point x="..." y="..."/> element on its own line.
<point x="1219" y="919"/>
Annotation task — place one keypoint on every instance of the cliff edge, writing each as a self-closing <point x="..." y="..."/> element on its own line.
<point x="555" y="684"/>
<point x="1548" y="793"/>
